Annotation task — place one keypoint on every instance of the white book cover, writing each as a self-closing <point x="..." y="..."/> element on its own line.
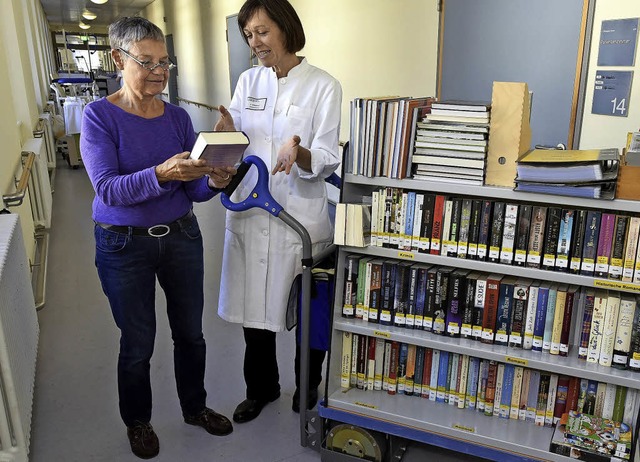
<point x="609" y="329"/>
<point x="609" y="401"/>
<point x="551" y="400"/>
<point x="597" y="326"/>
<point x="530" y="317"/>
<point x="631" y="249"/>
<point x="345" y="374"/>
<point x="433" y="380"/>
<point x="417" y="222"/>
<point x="498" y="394"/>
<point x="622" y="343"/>
<point x="380" y="350"/>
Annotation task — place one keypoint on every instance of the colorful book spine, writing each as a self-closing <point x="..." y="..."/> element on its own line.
<point x="497" y="227"/>
<point x="393" y="368"/>
<point x="507" y="247"/>
<point x="345" y="370"/>
<point x="472" y="383"/>
<point x="483" y="376"/>
<point x="530" y="316"/>
<point x="589" y="405"/>
<point x="505" y="304"/>
<point x="386" y="368"/>
<point x="622" y="343"/>
<point x="609" y="329"/>
<point x="631" y="249"/>
<point x="485" y="230"/>
<point x="550" y="318"/>
<point x="410" y="371"/>
<point x="455" y="303"/>
<point x="371" y="363"/>
<point x="573" y="392"/>
<point x="474" y="229"/>
<point x="490" y="391"/>
<point x="353" y="377"/>
<point x="507" y="391"/>
<point x="379" y="367"/>
<point x="408" y="220"/>
<point x="619" y="403"/>
<point x="597" y="326"/>
<point x="577" y="243"/>
<point x="443" y="371"/>
<point x="532" y="398"/>
<point x="536" y="236"/>
<point x="417" y="222"/>
<point x="561" y="398"/>
<point x="522" y="235"/>
<point x="541" y="317"/>
<point x="454" y="233"/>
<point x="543" y="394"/>
<point x="497" y="396"/>
<point x="435" y="372"/>
<point x="430" y="299"/>
<point x="551" y="400"/>
<point x="426" y="227"/>
<point x="451" y="391"/>
<point x="446" y="227"/>
<point x="605" y="243"/>
<point x="465" y="228"/>
<point x="466" y="328"/>
<point x="617" y="248"/>
<point x="564" y="240"/>
<point x="350" y="286"/>
<point x="518" y="313"/>
<point x="478" y="307"/>
<point x="552" y="233"/>
<point x="440" y="300"/>
<point x="558" y="318"/>
<point x="585" y="332"/>
<point x="361" y="285"/>
<point x="436" y="229"/>
<point x="426" y="372"/>
<point x="524" y="392"/>
<point x="571" y="302"/>
<point x="401" y="293"/>
<point x="490" y="312"/>
<point x="375" y="290"/>
<point x="590" y="247"/>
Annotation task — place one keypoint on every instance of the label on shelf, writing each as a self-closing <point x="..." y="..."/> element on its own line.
<point x="476" y="332"/>
<point x="533" y="257"/>
<point x="406" y="255"/>
<point x="427" y="323"/>
<point x="464" y="428"/>
<point x="418" y="320"/>
<point x="435" y="244"/>
<point x="562" y="261"/>
<point x="549" y="260"/>
<point x="602" y="265"/>
<point x="410" y="320"/>
<point x="582" y="352"/>
<point x="615" y="270"/>
<point x="347" y="310"/>
<point x="515" y="339"/>
<point x="368" y="405"/>
<point x="494" y="252"/>
<point x="399" y="319"/>
<point x="487" y="334"/>
<point x="394" y="240"/>
<point x="516" y="361"/>
<point x="373" y="313"/>
<point x="501" y="336"/>
<point x="506" y="254"/>
<point x="453" y="328"/>
<point x="423" y="243"/>
<point x="575" y="264"/>
<point x="472" y="249"/>
<point x="537" y="342"/>
<point x="380" y="333"/>
<point x="634" y="363"/>
<point x="462" y="248"/>
<point x="465" y="329"/>
<point x="482" y="251"/>
<point x="385" y="316"/>
<point x="564" y="348"/>
<point x="616" y="285"/>
<point x="359" y="311"/>
<point x="521" y="256"/>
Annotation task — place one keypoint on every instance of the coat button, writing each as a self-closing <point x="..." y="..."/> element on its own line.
<point x="265" y="232"/>
<point x="268" y="139"/>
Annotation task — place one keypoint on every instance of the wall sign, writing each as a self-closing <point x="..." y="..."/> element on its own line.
<point x="618" y="38"/>
<point x="611" y="93"/>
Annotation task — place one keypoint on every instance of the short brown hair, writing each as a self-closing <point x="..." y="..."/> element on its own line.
<point x="282" y="13"/>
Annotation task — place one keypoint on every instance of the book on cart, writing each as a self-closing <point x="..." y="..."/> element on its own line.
<point x="220" y="149"/>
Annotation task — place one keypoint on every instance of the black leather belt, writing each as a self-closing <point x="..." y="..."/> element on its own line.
<point x="153" y="231"/>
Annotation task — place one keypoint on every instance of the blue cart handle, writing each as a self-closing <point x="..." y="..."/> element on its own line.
<point x="259" y="197"/>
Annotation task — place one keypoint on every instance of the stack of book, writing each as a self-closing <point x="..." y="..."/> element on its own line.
<point x="580" y="173"/>
<point x="451" y="143"/>
<point x="381" y="132"/>
<point x="352" y="225"/>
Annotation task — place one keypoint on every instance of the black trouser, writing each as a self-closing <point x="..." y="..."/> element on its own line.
<point x="261" y="366"/>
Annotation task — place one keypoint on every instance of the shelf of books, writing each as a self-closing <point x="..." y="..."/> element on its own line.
<point x="487" y="316"/>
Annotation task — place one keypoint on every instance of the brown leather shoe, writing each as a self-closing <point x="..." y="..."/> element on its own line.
<point x="211" y="421"/>
<point x="144" y="441"/>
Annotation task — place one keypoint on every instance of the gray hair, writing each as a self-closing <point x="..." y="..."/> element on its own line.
<point x="127" y="31"/>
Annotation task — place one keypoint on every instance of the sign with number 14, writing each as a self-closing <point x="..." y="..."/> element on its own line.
<point x="611" y="93"/>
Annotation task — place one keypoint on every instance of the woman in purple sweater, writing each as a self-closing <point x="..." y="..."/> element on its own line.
<point x="134" y="147"/>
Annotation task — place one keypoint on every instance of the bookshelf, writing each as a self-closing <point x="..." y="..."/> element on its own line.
<point x="438" y="423"/>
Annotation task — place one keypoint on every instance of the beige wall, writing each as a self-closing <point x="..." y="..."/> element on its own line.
<point x="600" y="131"/>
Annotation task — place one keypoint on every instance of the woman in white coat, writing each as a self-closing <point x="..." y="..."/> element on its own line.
<point x="290" y="111"/>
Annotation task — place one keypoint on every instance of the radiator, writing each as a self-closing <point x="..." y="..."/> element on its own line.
<point x="19" y="332"/>
<point x="40" y="184"/>
<point x="45" y="130"/>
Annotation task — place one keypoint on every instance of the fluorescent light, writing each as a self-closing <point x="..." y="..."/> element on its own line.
<point x="83" y="25"/>
<point x="99" y="2"/>
<point x="90" y="15"/>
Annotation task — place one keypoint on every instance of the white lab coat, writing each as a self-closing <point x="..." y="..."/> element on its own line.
<point x="262" y="254"/>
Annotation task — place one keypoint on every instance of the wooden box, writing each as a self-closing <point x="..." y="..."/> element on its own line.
<point x="628" y="186"/>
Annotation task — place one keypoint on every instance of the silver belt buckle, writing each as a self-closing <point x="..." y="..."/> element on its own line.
<point x="163" y="230"/>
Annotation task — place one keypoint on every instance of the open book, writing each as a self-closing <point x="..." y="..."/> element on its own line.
<point x="220" y="149"/>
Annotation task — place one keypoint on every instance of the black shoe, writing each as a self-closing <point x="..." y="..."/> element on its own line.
<point x="312" y="399"/>
<point x="211" y="421"/>
<point x="249" y="409"/>
<point x="144" y="441"/>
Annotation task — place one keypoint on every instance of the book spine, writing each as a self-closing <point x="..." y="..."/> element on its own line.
<point x="455" y="304"/>
<point x="617" y="248"/>
<point x="430" y="303"/>
<point x="505" y="301"/>
<point x="401" y="294"/>
<point x="478" y="307"/>
<point x="485" y="230"/>
<point x="582" y="395"/>
<point x="518" y="313"/>
<point x="371" y="363"/>
<point x="426" y="372"/>
<point x="589" y="406"/>
<point x="514" y="407"/>
<point x="375" y="291"/>
<point x="410" y="316"/>
<point x="353" y="377"/>
<point x="496" y="231"/>
<point x="561" y="398"/>
<point x="419" y="371"/>
<point x="543" y="394"/>
<point x="609" y="329"/>
<point x="552" y="233"/>
<point x="435" y="373"/>
<point x="530" y="317"/>
<point x="536" y="236"/>
<point x="490" y="310"/>
<point x="634" y="350"/>
<point x="483" y="376"/>
<point x="571" y="301"/>
<point x="446" y="227"/>
<point x="601" y="390"/>
<point x="465" y="225"/>
<point x="397" y="218"/>
<point x="490" y="392"/>
<point x="345" y="371"/>
<point x="389" y="268"/>
<point x="454" y="232"/>
<point x="564" y="240"/>
<point x="591" y="237"/>
<point x="410" y="370"/>
<point x="350" y="286"/>
<point x="605" y="243"/>
<point x="541" y="317"/>
<point x="443" y="372"/>
<point x="382" y="209"/>
<point x="522" y="235"/>
<point x="532" y="399"/>
<point x="466" y="328"/>
<point x="504" y="389"/>
<point x="619" y="403"/>
<point x="379" y="368"/>
<point x="583" y="347"/>
<point x="386" y="369"/>
<point x="577" y="243"/>
<point x="573" y="392"/>
<point x="631" y="249"/>
<point x="408" y="220"/>
<point x="437" y="222"/>
<point x="362" y="362"/>
<point x="609" y="401"/>
<point x="524" y="393"/>
<point x="558" y="318"/>
<point x="417" y="222"/>
<point x="420" y="296"/>
<point x="388" y="217"/>
<point x="440" y="304"/>
<point x="549" y="319"/>
<point x="451" y="390"/>
<point x="474" y="229"/>
<point x="597" y="327"/>
<point x="472" y="383"/>
<point x="393" y="368"/>
<point x="509" y="234"/>
<point x="361" y="313"/>
<point x="426" y="227"/>
<point x="624" y="328"/>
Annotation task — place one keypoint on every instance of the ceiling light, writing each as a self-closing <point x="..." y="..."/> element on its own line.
<point x="83" y="25"/>
<point x="99" y="2"/>
<point x="90" y="15"/>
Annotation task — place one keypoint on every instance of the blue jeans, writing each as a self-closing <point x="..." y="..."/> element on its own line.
<point x="128" y="266"/>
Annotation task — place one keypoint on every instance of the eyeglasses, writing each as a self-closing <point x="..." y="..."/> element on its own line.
<point x="149" y="65"/>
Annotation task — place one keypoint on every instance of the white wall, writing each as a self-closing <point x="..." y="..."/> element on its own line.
<point x="601" y="131"/>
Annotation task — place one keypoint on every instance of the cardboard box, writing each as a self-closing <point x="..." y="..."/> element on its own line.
<point x="628" y="186"/>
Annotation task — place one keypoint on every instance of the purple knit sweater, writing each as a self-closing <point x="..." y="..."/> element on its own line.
<point x="120" y="151"/>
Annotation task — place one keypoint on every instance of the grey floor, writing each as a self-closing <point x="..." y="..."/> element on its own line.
<point x="75" y="413"/>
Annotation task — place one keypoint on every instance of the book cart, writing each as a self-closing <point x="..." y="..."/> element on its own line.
<point x="422" y="420"/>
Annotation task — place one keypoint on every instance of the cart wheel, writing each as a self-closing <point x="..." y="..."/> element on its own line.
<point x="356" y="442"/>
